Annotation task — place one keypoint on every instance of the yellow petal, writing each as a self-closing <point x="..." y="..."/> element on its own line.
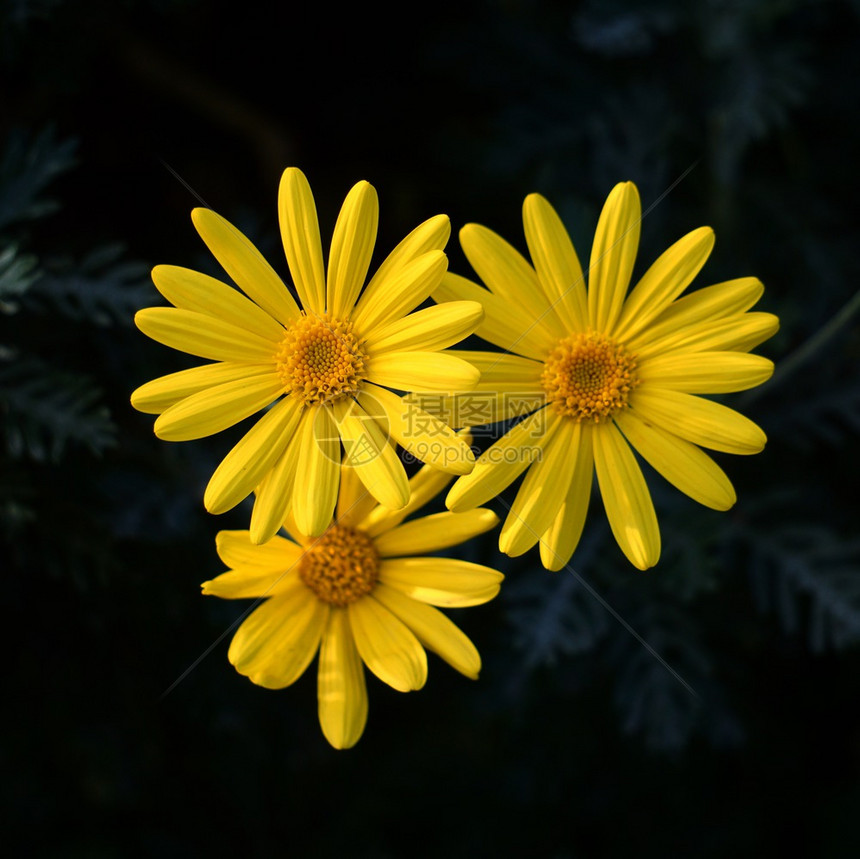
<point x="241" y="584"/>
<point x="354" y="500"/>
<point x="543" y="491"/>
<point x="204" y="336"/>
<point x="292" y="648"/>
<point x="706" y="372"/>
<point x="351" y="248"/>
<point x="161" y="393"/>
<point x="508" y="276"/>
<point x="387" y="646"/>
<point x="341" y="690"/>
<point x="613" y="254"/>
<point x="245" y="265"/>
<point x="738" y="333"/>
<point x="237" y="551"/>
<point x="503" y="462"/>
<point x="276" y="489"/>
<point x="289" y="525"/>
<point x="405" y="289"/>
<point x="427" y="330"/>
<point x="252" y="457"/>
<point x="708" y="304"/>
<point x="502" y="372"/>
<point x="626" y="498"/>
<point x="318" y="475"/>
<point x="215" y="409"/>
<point x="441" y="581"/>
<point x="278" y="640"/>
<point x="236" y="585"/>
<point x="435" y="631"/>
<point x="556" y="263"/>
<point x="559" y="541"/>
<point x="435" y="532"/>
<point x="300" y="234"/>
<point x="191" y="290"/>
<point x="367" y="451"/>
<point x="422" y="435"/>
<point x="423" y="486"/>
<point x="432" y="235"/>
<point x="752" y="329"/>
<point x="428" y="372"/>
<point x="664" y="281"/>
<point x="684" y="465"/>
<point x="503" y="325"/>
<point x="700" y="421"/>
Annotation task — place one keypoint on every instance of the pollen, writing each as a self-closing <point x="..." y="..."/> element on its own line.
<point x="341" y="566"/>
<point x="320" y="359"/>
<point x="589" y="377"/>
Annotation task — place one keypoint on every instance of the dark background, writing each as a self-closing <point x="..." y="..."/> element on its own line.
<point x="576" y="741"/>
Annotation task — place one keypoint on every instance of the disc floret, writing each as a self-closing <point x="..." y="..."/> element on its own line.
<point x="320" y="359"/>
<point x="341" y="566"/>
<point x="589" y="377"/>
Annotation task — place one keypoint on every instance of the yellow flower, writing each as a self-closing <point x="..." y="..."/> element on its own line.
<point x="327" y="366"/>
<point x="358" y="594"/>
<point x="600" y="372"/>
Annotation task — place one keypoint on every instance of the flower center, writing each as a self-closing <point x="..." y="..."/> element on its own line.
<point x="341" y="566"/>
<point x="320" y="359"/>
<point x="589" y="377"/>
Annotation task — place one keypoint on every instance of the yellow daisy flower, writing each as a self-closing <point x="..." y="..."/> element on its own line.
<point x="599" y="372"/>
<point x="359" y="595"/>
<point x="327" y="366"/>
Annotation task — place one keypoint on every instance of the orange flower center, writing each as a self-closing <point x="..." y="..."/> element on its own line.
<point x="320" y="359"/>
<point x="341" y="566"/>
<point x="589" y="377"/>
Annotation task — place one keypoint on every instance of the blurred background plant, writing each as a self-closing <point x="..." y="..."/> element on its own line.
<point x="710" y="703"/>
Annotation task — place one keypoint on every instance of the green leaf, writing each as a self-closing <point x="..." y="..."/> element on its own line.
<point x="101" y="289"/>
<point x="43" y="410"/>
<point x="17" y="274"/>
<point x="28" y="165"/>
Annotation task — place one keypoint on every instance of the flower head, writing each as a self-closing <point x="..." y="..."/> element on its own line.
<point x="599" y="372"/>
<point x="321" y="367"/>
<point x="361" y="593"/>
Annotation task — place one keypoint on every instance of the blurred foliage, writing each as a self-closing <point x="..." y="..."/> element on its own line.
<point x="712" y="701"/>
